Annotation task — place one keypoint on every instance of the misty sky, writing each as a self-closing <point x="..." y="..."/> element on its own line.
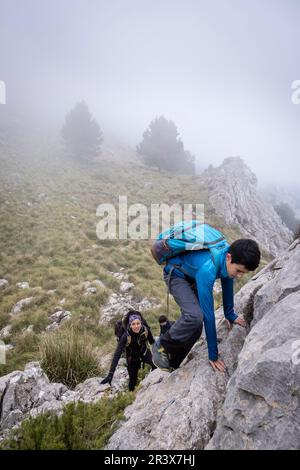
<point x="220" y="69"/>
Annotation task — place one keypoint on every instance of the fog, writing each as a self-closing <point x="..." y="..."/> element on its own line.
<point x="222" y="70"/>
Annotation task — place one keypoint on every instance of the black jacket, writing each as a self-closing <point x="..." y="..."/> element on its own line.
<point x="135" y="345"/>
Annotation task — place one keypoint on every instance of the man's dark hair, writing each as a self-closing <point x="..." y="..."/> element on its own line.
<point x="246" y="252"/>
<point x="162" y="319"/>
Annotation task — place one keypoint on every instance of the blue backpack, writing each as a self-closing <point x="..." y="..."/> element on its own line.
<point x="188" y="236"/>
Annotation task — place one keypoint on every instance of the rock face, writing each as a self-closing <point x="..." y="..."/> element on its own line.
<point x="119" y="303"/>
<point x="20" y="392"/>
<point x="29" y="393"/>
<point x="234" y="195"/>
<point x="261" y="410"/>
<point x="253" y="406"/>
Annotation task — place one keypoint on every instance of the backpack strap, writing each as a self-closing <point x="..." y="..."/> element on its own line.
<point x="215" y="254"/>
<point x="145" y="333"/>
<point x="128" y="340"/>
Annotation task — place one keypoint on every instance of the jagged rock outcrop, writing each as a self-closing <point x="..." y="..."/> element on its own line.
<point x="119" y="302"/>
<point x="262" y="406"/>
<point x="253" y="406"/>
<point x="29" y="393"/>
<point x="234" y="195"/>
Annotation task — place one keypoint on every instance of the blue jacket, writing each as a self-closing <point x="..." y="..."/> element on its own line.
<point x="199" y="265"/>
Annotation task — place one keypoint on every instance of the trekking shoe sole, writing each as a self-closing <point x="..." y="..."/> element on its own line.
<point x="160" y="358"/>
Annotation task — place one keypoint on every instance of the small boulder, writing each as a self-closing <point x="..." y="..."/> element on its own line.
<point x="22" y="285"/>
<point x="3" y="283"/>
<point x="20" y="305"/>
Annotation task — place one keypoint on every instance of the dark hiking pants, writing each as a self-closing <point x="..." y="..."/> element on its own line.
<point x="184" y="333"/>
<point x="133" y="366"/>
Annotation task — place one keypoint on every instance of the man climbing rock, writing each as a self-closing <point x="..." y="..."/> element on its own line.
<point x="190" y="278"/>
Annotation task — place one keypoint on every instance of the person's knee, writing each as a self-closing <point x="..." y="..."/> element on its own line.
<point x="197" y="320"/>
<point x="198" y="332"/>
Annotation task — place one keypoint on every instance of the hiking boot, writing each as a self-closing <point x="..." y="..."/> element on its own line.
<point x="159" y="356"/>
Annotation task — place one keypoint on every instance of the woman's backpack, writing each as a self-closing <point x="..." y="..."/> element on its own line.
<point x="119" y="329"/>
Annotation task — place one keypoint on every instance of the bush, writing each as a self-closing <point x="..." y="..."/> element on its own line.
<point x="81" y="426"/>
<point x="68" y="357"/>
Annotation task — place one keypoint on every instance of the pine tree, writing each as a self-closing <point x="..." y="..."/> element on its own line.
<point x="162" y="147"/>
<point x="81" y="133"/>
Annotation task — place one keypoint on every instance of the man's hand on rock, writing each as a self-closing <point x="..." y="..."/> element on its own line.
<point x="218" y="365"/>
<point x="240" y="321"/>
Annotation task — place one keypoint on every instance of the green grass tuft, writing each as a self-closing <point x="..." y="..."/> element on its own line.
<point x="68" y="357"/>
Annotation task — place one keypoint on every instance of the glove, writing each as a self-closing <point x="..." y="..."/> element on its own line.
<point x="107" y="379"/>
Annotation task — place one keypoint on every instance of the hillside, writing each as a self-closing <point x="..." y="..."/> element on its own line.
<point x="58" y="281"/>
<point x="48" y="240"/>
